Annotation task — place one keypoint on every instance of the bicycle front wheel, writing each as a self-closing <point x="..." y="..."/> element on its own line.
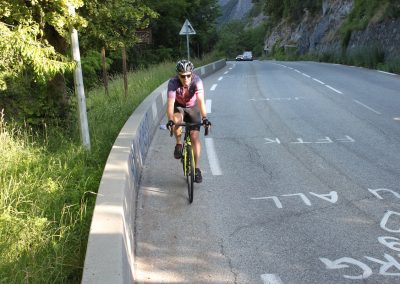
<point x="190" y="171"/>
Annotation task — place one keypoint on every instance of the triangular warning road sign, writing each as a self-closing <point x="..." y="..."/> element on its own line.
<point x="187" y="29"/>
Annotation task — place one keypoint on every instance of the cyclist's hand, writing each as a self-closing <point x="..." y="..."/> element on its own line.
<point x="206" y="122"/>
<point x="169" y="125"/>
<point x="207" y="125"/>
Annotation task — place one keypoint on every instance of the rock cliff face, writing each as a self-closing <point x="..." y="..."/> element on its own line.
<point x="234" y="9"/>
<point x="385" y="36"/>
<point x="319" y="33"/>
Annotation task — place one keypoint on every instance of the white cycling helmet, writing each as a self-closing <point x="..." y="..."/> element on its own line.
<point x="184" y="66"/>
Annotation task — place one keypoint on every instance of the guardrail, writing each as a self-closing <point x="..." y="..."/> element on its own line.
<point x="110" y="250"/>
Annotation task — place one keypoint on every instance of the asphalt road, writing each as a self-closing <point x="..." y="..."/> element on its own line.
<point x="301" y="182"/>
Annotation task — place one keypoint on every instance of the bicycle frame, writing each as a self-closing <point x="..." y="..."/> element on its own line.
<point x="187" y="159"/>
<point x="187" y="142"/>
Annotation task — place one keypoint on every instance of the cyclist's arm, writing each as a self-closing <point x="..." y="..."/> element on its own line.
<point x="170" y="108"/>
<point x="171" y="95"/>
<point x="200" y="99"/>
<point x="202" y="107"/>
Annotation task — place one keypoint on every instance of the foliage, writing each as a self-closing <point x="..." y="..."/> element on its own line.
<point x="230" y="34"/>
<point x="202" y="14"/>
<point x="113" y="24"/>
<point x="368" y="11"/>
<point x="25" y="45"/>
<point x="370" y="57"/>
<point x="235" y="38"/>
<point x="253" y="39"/>
<point x="35" y="50"/>
<point x="92" y="67"/>
<point x="48" y="184"/>
<point x="292" y="10"/>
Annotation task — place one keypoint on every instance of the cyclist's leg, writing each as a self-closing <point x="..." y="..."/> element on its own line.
<point x="178" y="117"/>
<point x="193" y="115"/>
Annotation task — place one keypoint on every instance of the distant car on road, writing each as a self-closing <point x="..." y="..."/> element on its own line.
<point x="239" y="57"/>
<point x="248" y="56"/>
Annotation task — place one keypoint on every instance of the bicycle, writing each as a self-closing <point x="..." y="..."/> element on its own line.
<point x="187" y="157"/>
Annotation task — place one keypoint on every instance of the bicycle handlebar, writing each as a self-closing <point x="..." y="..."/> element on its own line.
<point x="188" y="125"/>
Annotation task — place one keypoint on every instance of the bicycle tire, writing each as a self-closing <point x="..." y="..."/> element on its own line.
<point x="190" y="171"/>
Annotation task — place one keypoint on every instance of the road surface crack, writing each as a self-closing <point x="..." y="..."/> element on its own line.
<point x="222" y="251"/>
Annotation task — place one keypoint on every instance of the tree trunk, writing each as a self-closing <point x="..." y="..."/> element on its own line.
<point x="125" y="71"/>
<point x="105" y="76"/>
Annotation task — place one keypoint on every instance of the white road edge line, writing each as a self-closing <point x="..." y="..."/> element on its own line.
<point x="208" y="106"/>
<point x="212" y="157"/>
<point x="213" y="87"/>
<point x="380" y="71"/>
<point x="271" y="279"/>
<point x="367" y="107"/>
<point x="333" y="89"/>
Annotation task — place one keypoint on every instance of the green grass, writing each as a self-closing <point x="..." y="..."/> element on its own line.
<point x="48" y="183"/>
<point x="372" y="57"/>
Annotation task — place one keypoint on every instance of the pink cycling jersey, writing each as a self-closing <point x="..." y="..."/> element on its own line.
<point x="176" y="91"/>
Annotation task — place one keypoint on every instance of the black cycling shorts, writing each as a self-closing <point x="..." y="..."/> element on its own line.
<point x="191" y="115"/>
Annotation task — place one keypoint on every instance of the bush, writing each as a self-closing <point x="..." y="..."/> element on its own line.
<point x="92" y="68"/>
<point x="368" y="57"/>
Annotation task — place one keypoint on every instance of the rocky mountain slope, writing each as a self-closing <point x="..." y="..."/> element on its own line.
<point x="320" y="33"/>
<point x="233" y="10"/>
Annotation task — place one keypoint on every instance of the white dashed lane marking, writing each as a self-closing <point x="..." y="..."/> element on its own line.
<point x="333" y="89"/>
<point x="208" y="106"/>
<point x="367" y="107"/>
<point x="212" y="157"/>
<point x="271" y="279"/>
<point x="316" y="80"/>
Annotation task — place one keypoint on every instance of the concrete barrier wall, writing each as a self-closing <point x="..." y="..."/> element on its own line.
<point x="110" y="249"/>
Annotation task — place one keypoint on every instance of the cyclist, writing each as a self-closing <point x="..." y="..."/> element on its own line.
<point x="186" y="103"/>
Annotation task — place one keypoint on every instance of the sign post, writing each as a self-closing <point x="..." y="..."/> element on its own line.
<point x="187" y="30"/>
<point x="78" y="82"/>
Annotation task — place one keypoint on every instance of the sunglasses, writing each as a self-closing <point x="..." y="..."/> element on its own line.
<point x="185" y="76"/>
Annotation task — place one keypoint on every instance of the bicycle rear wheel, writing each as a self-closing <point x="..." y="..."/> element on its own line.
<point x="190" y="171"/>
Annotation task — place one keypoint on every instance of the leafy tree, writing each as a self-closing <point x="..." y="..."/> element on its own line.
<point x="203" y="15"/>
<point x="34" y="46"/>
<point x="230" y="36"/>
<point x="32" y="52"/>
<point x="113" y="24"/>
<point x="26" y="29"/>
<point x="167" y="43"/>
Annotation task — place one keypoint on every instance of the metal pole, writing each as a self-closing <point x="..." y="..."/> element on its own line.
<point x="79" y="89"/>
<point x="187" y="44"/>
<point x="187" y="41"/>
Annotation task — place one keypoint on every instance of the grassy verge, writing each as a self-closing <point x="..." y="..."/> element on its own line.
<point x="48" y="184"/>
<point x="369" y="57"/>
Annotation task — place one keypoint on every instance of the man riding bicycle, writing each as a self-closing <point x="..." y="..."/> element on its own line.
<point x="186" y="103"/>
